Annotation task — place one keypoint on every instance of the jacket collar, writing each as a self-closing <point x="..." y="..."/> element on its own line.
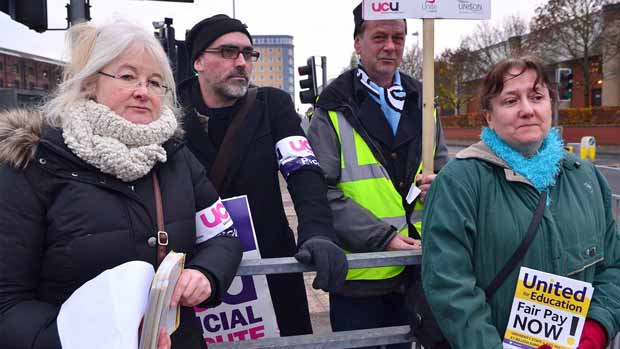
<point x="348" y="93"/>
<point x="199" y="141"/>
<point x="184" y="89"/>
<point x="348" y="90"/>
<point x="482" y="152"/>
<point x="196" y="135"/>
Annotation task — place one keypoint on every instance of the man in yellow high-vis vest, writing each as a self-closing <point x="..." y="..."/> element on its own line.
<point x="366" y="132"/>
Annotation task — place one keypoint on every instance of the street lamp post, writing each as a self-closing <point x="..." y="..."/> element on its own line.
<point x="79" y="11"/>
<point x="417" y="38"/>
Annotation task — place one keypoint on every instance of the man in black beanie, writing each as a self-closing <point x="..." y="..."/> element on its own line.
<point x="243" y="135"/>
<point x="367" y="134"/>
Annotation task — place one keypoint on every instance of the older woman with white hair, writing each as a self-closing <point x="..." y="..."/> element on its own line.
<point x="86" y="181"/>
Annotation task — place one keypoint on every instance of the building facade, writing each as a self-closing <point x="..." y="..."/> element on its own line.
<point x="25" y="78"/>
<point x="275" y="66"/>
<point x="603" y="70"/>
<point x="610" y="84"/>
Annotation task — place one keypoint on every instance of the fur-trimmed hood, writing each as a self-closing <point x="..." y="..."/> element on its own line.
<point x="20" y="134"/>
<point x="22" y="130"/>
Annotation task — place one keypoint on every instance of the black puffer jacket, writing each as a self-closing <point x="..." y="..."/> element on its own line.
<point x="63" y="222"/>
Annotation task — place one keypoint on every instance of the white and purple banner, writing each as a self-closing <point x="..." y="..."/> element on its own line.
<point x="451" y="9"/>
<point x="246" y="312"/>
<point x="293" y="153"/>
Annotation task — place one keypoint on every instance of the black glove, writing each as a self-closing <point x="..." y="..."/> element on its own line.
<point x="330" y="262"/>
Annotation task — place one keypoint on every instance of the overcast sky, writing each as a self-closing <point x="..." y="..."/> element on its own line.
<point x="319" y="27"/>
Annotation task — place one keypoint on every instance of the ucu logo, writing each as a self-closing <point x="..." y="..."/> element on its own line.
<point x="293" y="147"/>
<point x="217" y="216"/>
<point x="300" y="144"/>
<point x="385" y="6"/>
<point x="429" y="5"/>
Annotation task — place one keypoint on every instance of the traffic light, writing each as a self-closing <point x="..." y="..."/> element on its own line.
<point x="31" y="13"/>
<point x="78" y="11"/>
<point x="309" y="88"/>
<point x="565" y="83"/>
<point x="166" y="35"/>
<point x="175" y="49"/>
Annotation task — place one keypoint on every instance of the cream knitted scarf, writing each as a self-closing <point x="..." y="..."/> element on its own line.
<point x="114" y="145"/>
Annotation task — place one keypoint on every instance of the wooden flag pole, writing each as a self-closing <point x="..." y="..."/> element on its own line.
<point x="428" y="91"/>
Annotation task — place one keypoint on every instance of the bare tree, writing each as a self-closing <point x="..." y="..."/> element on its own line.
<point x="412" y="62"/>
<point x="353" y="62"/>
<point x="455" y="70"/>
<point x="513" y="25"/>
<point x="490" y="44"/>
<point x="574" y="30"/>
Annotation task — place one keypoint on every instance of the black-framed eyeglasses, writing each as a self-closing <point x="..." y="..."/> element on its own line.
<point x="232" y="52"/>
<point x="131" y="82"/>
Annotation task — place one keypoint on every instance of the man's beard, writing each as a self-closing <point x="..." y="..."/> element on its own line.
<point x="233" y="89"/>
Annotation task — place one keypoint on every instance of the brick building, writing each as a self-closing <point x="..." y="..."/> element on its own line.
<point x="26" y="78"/>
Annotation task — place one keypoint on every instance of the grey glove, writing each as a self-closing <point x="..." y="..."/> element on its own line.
<point x="330" y="262"/>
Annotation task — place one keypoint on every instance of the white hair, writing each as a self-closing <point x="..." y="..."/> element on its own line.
<point x="91" y="48"/>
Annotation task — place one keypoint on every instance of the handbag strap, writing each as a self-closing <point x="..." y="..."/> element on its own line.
<point x="224" y="155"/>
<point x="162" y="236"/>
<point x="518" y="255"/>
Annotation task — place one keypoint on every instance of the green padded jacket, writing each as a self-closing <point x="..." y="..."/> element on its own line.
<point x="481" y="211"/>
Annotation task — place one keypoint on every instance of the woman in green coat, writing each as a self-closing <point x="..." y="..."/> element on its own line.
<point x="483" y="202"/>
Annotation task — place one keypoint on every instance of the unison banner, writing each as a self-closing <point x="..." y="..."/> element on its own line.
<point x="246" y="311"/>
<point x="449" y="9"/>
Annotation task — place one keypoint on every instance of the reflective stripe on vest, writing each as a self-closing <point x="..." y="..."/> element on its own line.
<point x="364" y="180"/>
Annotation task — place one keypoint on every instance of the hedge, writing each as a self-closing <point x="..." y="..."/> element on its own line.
<point x="599" y="116"/>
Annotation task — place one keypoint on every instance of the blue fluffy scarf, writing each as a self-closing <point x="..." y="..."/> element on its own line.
<point x="541" y="169"/>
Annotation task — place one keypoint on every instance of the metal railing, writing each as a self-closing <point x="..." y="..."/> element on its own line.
<point x="616" y="208"/>
<point x="345" y="339"/>
<point x="335" y="340"/>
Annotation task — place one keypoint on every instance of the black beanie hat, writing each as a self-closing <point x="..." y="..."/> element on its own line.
<point x="357" y="18"/>
<point x="208" y="30"/>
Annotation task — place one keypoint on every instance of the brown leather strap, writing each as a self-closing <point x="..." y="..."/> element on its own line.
<point x="227" y="149"/>
<point x="162" y="236"/>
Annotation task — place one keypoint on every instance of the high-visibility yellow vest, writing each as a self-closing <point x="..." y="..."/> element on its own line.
<point x="364" y="180"/>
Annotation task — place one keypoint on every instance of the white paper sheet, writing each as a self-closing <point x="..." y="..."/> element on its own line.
<point x="105" y="312"/>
